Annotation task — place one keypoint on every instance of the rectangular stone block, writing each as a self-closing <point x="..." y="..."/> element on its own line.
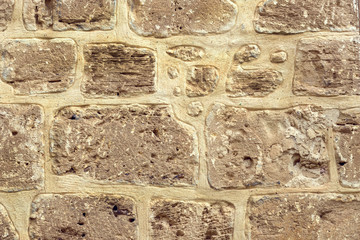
<point x="131" y="143"/>
<point x="63" y="15"/>
<point x="70" y="216"/>
<point x="268" y="148"/>
<point x="7" y="229"/>
<point x="21" y="147"/>
<point x="33" y="66"/>
<point x="118" y="70"/>
<point x="303" y="216"/>
<point x="327" y="66"/>
<point x="296" y="16"/>
<point x="6" y="12"/>
<point x="172" y="219"/>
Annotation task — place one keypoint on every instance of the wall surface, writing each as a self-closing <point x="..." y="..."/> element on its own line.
<point x="179" y="119"/>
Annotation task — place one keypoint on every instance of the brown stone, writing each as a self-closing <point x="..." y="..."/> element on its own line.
<point x="327" y="66"/>
<point x="186" y="53"/>
<point x="191" y="220"/>
<point x="259" y="82"/>
<point x="201" y="80"/>
<point x="63" y="15"/>
<point x="297" y="16"/>
<point x="278" y="57"/>
<point x="6" y="12"/>
<point x="118" y="70"/>
<point x="164" y="18"/>
<point x="7" y="229"/>
<point x="55" y="216"/>
<point x="247" y="53"/>
<point x="131" y="143"/>
<point x="38" y="66"/>
<point x="277" y="148"/>
<point x="304" y="216"/>
<point x="21" y="147"/>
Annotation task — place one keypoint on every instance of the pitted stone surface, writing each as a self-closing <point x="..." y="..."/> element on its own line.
<point x="118" y="70"/>
<point x="171" y="219"/>
<point x="247" y="53"/>
<point x="304" y="216"/>
<point x="297" y="16"/>
<point x="7" y="229"/>
<point x="201" y="80"/>
<point x="33" y="66"/>
<point x="164" y="18"/>
<point x="21" y="147"/>
<point x="133" y="143"/>
<point x="55" y="216"/>
<point x="63" y="15"/>
<point x="6" y="12"/>
<point x="284" y="148"/>
<point x="328" y="66"/>
<point x="186" y="53"/>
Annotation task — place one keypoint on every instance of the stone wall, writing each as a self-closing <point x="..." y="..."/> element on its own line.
<point x="179" y="119"/>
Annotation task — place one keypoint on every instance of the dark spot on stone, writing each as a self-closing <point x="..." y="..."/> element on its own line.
<point x="131" y="219"/>
<point x="14" y="133"/>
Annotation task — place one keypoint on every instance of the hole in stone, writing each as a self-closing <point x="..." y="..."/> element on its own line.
<point x="156" y="132"/>
<point x="131" y="219"/>
<point x="80" y="223"/>
<point x="248" y="161"/>
<point x="83" y="235"/>
<point x="84" y="214"/>
<point x="153" y="155"/>
<point x="180" y="233"/>
<point x="296" y="159"/>
<point x="342" y="163"/>
<point x="115" y="208"/>
<point x="74" y="117"/>
<point x="14" y="133"/>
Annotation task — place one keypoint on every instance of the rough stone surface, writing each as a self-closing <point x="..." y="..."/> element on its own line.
<point x="173" y="72"/>
<point x="278" y="57"/>
<point x="252" y="82"/>
<point x="21" y="147"/>
<point x="63" y="15"/>
<point x="284" y="148"/>
<point x="327" y="66"/>
<point x="247" y="53"/>
<point x="194" y="109"/>
<point x="6" y="12"/>
<point x="186" y="53"/>
<point x="38" y="66"/>
<point x="158" y="149"/>
<point x="191" y="220"/>
<point x="296" y="16"/>
<point x="304" y="216"/>
<point x="177" y="91"/>
<point x="7" y="229"/>
<point x="118" y="70"/>
<point x="164" y="18"/>
<point x="201" y="80"/>
<point x="55" y="216"/>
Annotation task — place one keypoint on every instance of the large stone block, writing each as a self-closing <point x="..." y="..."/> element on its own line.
<point x="277" y="148"/>
<point x="171" y="219"/>
<point x="6" y="12"/>
<point x="7" y="229"/>
<point x="21" y="147"/>
<point x="133" y="143"/>
<point x="118" y="70"/>
<point x="164" y="18"/>
<point x="55" y="216"/>
<point x="38" y="66"/>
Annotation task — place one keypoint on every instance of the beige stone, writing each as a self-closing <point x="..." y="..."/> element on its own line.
<point x="173" y="72"/>
<point x="63" y="15"/>
<point x="116" y="69"/>
<point x="172" y="219"/>
<point x="186" y="53"/>
<point x="327" y="66"/>
<point x="33" y="66"/>
<point x="133" y="143"/>
<point x="303" y="216"/>
<point x="278" y="57"/>
<point x="70" y="217"/>
<point x="268" y="148"/>
<point x="177" y="91"/>
<point x="201" y="80"/>
<point x="21" y="147"/>
<point x="6" y="12"/>
<point x="247" y="53"/>
<point x="297" y="16"/>
<point x="7" y="229"/>
<point x="194" y="109"/>
<point x="164" y="18"/>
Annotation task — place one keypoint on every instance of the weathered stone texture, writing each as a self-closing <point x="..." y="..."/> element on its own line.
<point x="186" y="53"/>
<point x="164" y="18"/>
<point x="304" y="216"/>
<point x="118" y="70"/>
<point x="133" y="143"/>
<point x="21" y="147"/>
<point x="63" y="15"/>
<point x="296" y="16"/>
<point x="327" y="66"/>
<point x="55" y="216"/>
<point x="201" y="80"/>
<point x="7" y="229"/>
<point x="38" y="66"/>
<point x="278" y="57"/>
<point x="247" y="53"/>
<point x="191" y="220"/>
<point x="6" y="12"/>
<point x="284" y="148"/>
